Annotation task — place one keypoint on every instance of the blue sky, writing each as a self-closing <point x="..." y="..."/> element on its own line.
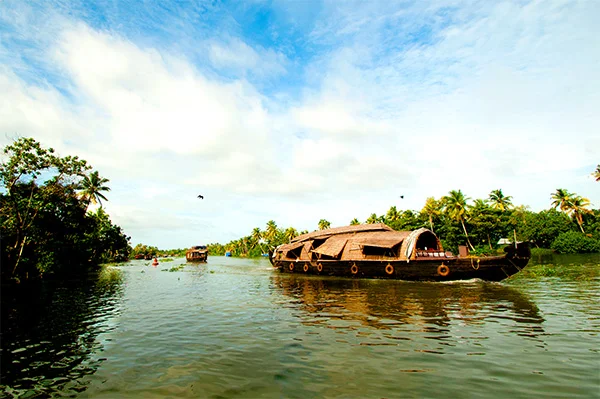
<point x="295" y="111"/>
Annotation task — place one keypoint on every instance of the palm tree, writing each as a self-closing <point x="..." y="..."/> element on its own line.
<point x="233" y="247"/>
<point x="577" y="207"/>
<point x="455" y="203"/>
<point x="373" y="219"/>
<point x="500" y="201"/>
<point x="290" y="233"/>
<point x="561" y="199"/>
<point x="572" y="204"/>
<point x="270" y="233"/>
<point x="91" y="187"/>
<point x="256" y="238"/>
<point x="431" y="209"/>
<point x="256" y="235"/>
<point x="324" y="224"/>
<point x="596" y="173"/>
<point x="354" y="222"/>
<point x="392" y="215"/>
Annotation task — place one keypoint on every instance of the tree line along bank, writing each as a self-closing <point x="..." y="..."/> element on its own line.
<point x="47" y="228"/>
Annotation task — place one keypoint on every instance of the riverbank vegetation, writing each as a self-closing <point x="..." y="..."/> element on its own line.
<point x="47" y="227"/>
<point x="568" y="226"/>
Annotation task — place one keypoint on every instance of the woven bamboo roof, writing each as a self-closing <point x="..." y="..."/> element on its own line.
<point x="332" y="247"/>
<point x="342" y="230"/>
<point x="380" y="239"/>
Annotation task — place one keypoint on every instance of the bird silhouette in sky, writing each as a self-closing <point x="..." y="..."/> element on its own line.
<point x="402" y="196"/>
<point x="201" y="196"/>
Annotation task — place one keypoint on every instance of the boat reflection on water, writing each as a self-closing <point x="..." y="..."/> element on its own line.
<point x="426" y="307"/>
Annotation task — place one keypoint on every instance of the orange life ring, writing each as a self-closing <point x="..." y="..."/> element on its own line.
<point x="443" y="270"/>
<point x="319" y="267"/>
<point x="389" y="269"/>
<point x="291" y="267"/>
<point x="305" y="268"/>
<point x="354" y="269"/>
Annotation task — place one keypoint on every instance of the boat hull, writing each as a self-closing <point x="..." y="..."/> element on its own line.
<point x="196" y="257"/>
<point x="492" y="268"/>
<point x="378" y="251"/>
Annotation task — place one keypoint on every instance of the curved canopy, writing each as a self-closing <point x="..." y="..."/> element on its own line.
<point x="371" y="241"/>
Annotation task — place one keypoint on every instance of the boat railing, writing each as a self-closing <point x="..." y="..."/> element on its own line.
<point x="433" y="254"/>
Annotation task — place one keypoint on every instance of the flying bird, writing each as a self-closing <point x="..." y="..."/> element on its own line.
<point x="402" y="196"/>
<point x="201" y="196"/>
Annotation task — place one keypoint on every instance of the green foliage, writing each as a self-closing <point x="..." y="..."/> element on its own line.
<point x="571" y="242"/>
<point x="45" y="228"/>
<point x="564" y="271"/>
<point x="145" y="250"/>
<point x="91" y="188"/>
<point x="485" y="220"/>
<point x="544" y="227"/>
<point x="324" y="224"/>
<point x="536" y="252"/>
<point x="483" y="250"/>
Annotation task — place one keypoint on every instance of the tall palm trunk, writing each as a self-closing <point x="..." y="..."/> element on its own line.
<point x="466" y="235"/>
<point x="580" y="222"/>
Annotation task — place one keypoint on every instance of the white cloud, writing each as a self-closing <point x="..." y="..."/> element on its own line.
<point x="236" y="55"/>
<point x="503" y="96"/>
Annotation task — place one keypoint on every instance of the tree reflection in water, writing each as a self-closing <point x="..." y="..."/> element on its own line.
<point x="50" y="333"/>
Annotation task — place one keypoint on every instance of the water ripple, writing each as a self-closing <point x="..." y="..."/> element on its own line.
<point x="234" y="328"/>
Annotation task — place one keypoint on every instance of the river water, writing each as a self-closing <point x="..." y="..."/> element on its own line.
<point x="234" y="328"/>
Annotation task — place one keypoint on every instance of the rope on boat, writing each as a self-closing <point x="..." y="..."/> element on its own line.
<point x="513" y="263"/>
<point x="473" y="266"/>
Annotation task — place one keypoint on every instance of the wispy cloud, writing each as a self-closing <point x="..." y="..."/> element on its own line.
<point x="325" y="114"/>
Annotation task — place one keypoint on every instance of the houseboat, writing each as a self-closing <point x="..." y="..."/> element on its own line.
<point x="198" y="253"/>
<point x="378" y="251"/>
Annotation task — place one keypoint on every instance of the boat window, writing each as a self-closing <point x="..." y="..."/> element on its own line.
<point x="294" y="253"/>
<point x="427" y="242"/>
<point x="379" y="251"/>
<point x="332" y="248"/>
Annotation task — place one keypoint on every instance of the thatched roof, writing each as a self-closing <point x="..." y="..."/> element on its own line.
<point x="345" y="241"/>
<point x="380" y="239"/>
<point x="332" y="247"/>
<point x="342" y="230"/>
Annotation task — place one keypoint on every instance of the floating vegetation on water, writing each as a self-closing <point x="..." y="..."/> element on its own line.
<point x="167" y="260"/>
<point x="109" y="274"/>
<point x="562" y="271"/>
<point x="115" y="264"/>
<point x="541" y="251"/>
<point x="175" y="268"/>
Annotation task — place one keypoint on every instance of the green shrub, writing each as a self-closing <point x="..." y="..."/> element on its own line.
<point x="541" y="251"/>
<point x="571" y="242"/>
<point x="482" y="250"/>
